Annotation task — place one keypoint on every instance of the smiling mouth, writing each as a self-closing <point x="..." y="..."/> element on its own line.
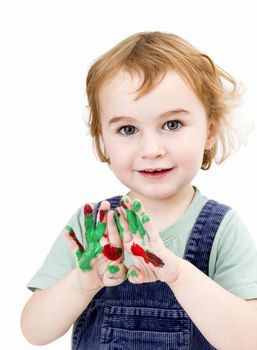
<point x="155" y="173"/>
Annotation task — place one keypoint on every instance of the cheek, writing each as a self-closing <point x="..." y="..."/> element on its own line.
<point x="121" y="168"/>
<point x="190" y="154"/>
<point x="120" y="160"/>
<point x="119" y="152"/>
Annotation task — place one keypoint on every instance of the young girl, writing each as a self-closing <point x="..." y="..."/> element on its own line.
<point x="161" y="267"/>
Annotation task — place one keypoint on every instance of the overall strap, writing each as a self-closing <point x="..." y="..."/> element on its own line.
<point x="203" y="233"/>
<point x="114" y="203"/>
<point x="199" y="249"/>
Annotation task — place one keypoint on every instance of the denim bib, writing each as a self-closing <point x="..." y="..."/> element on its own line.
<point x="148" y="316"/>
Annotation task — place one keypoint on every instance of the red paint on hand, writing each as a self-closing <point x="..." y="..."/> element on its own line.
<point x="87" y="210"/>
<point x="111" y="253"/>
<point x="73" y="236"/>
<point x="148" y="256"/>
<point x="137" y="250"/>
<point x="101" y="215"/>
<point x="124" y="205"/>
<point x="157" y="262"/>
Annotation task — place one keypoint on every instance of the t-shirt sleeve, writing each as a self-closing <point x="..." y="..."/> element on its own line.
<point x="234" y="256"/>
<point x="60" y="260"/>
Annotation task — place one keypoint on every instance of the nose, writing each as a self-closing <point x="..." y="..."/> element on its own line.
<point x="151" y="146"/>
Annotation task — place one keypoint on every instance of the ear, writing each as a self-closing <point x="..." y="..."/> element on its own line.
<point x="212" y="133"/>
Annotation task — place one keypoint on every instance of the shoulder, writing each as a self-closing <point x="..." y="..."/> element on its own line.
<point x="233" y="228"/>
<point x="233" y="235"/>
<point x="233" y="259"/>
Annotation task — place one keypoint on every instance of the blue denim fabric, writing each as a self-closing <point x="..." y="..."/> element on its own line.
<point x="148" y="316"/>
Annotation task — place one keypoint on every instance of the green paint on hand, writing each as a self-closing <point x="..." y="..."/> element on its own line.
<point x="100" y="230"/>
<point x="136" y="205"/>
<point x="134" y="222"/>
<point x="145" y="218"/>
<point x="119" y="227"/>
<point x="79" y="254"/>
<point x="113" y="269"/>
<point x="93" y="236"/>
<point x="133" y="273"/>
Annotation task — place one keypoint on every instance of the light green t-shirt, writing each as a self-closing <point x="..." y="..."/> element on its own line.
<point x="233" y="258"/>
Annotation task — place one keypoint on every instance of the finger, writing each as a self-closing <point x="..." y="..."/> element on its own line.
<point x="74" y="244"/>
<point x="115" y="274"/>
<point x="129" y="214"/>
<point x="72" y="240"/>
<point x="113" y="250"/>
<point x="154" y="239"/>
<point x="102" y="216"/>
<point x="136" y="218"/>
<point x="150" y="236"/>
<point x="117" y="219"/>
<point x="143" y="219"/>
<point x="122" y="225"/>
<point x="101" y="226"/>
<point x="88" y="223"/>
<point x="135" y="275"/>
<point x="113" y="233"/>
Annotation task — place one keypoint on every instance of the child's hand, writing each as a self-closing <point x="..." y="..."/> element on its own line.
<point x="152" y="261"/>
<point x="100" y="261"/>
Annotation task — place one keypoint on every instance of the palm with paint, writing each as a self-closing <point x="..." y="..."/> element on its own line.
<point x="151" y="260"/>
<point x="100" y="260"/>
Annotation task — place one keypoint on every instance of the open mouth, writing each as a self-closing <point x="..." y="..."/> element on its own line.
<point x="155" y="173"/>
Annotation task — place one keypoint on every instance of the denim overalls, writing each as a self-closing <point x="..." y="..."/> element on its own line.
<point x="148" y="316"/>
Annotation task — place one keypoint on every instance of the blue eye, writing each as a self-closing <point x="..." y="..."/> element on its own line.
<point x="128" y="130"/>
<point x="173" y="125"/>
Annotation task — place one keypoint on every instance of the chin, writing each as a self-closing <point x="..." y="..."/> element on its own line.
<point x="156" y="194"/>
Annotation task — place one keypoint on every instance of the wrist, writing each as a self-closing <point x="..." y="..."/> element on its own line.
<point x="77" y="287"/>
<point x="177" y="273"/>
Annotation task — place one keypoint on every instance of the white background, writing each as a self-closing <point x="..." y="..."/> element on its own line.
<point x="48" y="169"/>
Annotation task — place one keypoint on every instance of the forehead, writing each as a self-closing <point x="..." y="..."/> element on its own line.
<point x="122" y="82"/>
<point x="118" y="95"/>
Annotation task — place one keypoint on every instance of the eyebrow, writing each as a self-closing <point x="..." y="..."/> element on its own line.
<point x="161" y="116"/>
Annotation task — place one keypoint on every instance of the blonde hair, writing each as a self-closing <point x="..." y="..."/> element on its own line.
<point x="153" y="54"/>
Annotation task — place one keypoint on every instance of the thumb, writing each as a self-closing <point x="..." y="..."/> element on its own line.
<point x="135" y="275"/>
<point x="74" y="244"/>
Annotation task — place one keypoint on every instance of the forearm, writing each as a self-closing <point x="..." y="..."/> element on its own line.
<point x="225" y="320"/>
<point x="50" y="313"/>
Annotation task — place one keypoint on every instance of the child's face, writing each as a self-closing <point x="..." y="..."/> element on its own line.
<point x="165" y="129"/>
